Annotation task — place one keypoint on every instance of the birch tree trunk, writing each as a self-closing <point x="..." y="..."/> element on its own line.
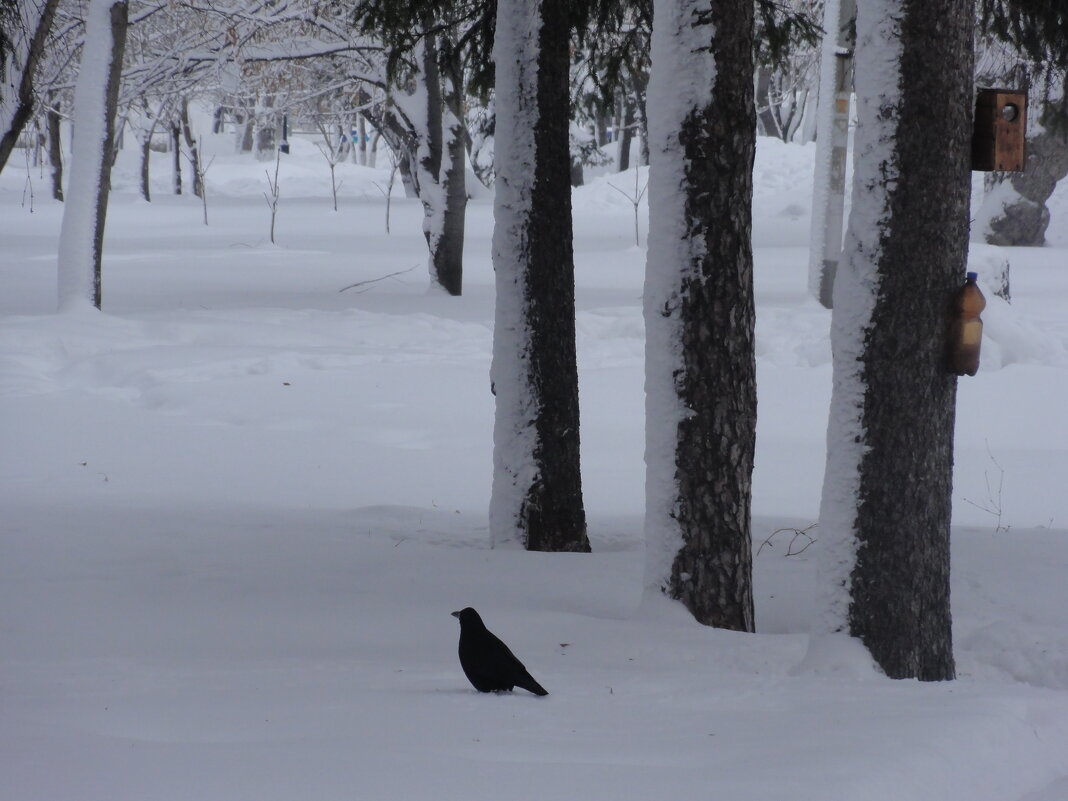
<point x="699" y="311"/>
<point x="537" y="488"/>
<point x="96" y="94"/>
<point x="885" y="513"/>
<point x="832" y="143"/>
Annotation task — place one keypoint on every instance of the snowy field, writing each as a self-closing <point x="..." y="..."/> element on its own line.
<point x="239" y="506"/>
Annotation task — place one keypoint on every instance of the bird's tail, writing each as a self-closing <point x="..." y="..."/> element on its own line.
<point x="530" y="685"/>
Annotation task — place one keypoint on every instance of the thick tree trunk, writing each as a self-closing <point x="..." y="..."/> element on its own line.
<point x="699" y="312"/>
<point x="537" y="487"/>
<point x="96" y="98"/>
<point x="886" y="508"/>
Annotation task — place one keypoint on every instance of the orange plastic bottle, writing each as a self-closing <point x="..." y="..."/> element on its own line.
<point x="966" y="334"/>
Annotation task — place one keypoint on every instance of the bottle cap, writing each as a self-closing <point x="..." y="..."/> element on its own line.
<point x="973" y="276"/>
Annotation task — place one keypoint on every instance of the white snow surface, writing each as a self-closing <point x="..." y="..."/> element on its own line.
<point x="239" y="505"/>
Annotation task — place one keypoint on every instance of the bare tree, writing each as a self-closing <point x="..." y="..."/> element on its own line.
<point x="24" y="31"/>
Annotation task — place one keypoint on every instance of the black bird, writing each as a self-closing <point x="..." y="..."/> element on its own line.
<point x="487" y="662"/>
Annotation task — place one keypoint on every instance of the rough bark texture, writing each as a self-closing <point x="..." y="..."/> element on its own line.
<point x="712" y="573"/>
<point x="1023" y="220"/>
<point x="900" y="582"/>
<point x="552" y="514"/>
<point x="449" y="253"/>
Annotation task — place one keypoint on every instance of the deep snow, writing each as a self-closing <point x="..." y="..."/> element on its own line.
<point x="239" y="506"/>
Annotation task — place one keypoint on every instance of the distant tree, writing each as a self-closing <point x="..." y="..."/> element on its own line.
<point x="437" y="52"/>
<point x="699" y="310"/>
<point x="25" y="27"/>
<point x="537" y="491"/>
<point x="787" y="55"/>
<point x="885" y="514"/>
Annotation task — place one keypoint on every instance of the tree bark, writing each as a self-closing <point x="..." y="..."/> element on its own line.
<point x="120" y="12"/>
<point x="537" y="487"/>
<point x="699" y="312"/>
<point x="890" y="438"/>
<point x="626" y="134"/>
<point x="146" y="159"/>
<point x="96" y="98"/>
<point x="23" y="100"/>
<point x="440" y="177"/>
<point x="176" y="156"/>
<point x="194" y="150"/>
<point x="55" y="150"/>
<point x="832" y="142"/>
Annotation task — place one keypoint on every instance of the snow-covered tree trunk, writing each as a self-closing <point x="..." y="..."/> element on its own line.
<point x="699" y="314"/>
<point x="832" y="142"/>
<point x="81" y="237"/>
<point x="193" y="149"/>
<point x="537" y="488"/>
<point x="27" y="25"/>
<point x="885" y="514"/>
<point x="439" y="169"/>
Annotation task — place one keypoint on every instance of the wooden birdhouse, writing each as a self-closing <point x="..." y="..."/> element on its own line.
<point x="1000" y="130"/>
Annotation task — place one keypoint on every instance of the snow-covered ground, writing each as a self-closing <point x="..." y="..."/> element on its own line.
<point x="238" y="507"/>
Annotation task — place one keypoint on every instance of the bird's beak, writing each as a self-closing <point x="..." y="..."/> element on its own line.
<point x="456" y="614"/>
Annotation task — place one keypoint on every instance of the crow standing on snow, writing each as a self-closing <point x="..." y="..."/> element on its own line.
<point x="487" y="662"/>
